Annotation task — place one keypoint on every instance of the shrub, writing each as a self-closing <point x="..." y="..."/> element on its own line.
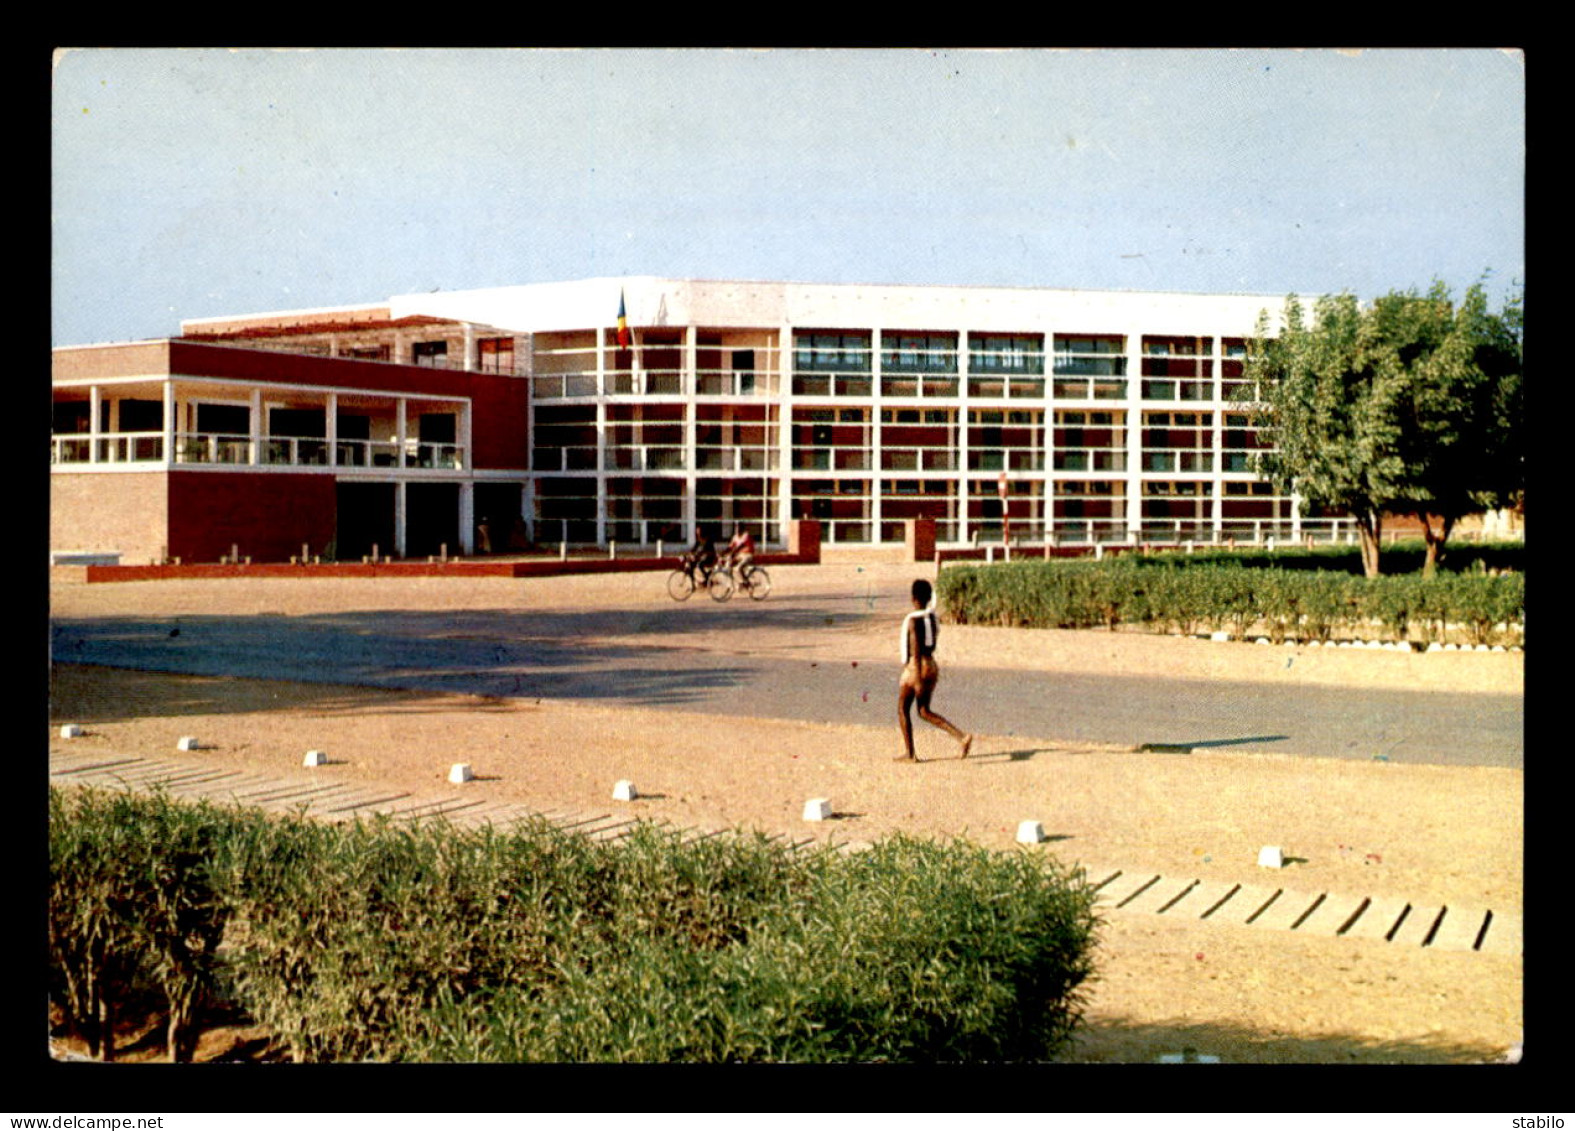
<point x="1178" y="593"/>
<point x="134" y="904"/>
<point x="383" y="941"/>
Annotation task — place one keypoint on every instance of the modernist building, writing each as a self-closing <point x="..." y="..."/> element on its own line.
<point x="997" y="412"/>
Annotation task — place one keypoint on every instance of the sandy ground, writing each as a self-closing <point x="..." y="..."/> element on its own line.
<point x="1430" y="834"/>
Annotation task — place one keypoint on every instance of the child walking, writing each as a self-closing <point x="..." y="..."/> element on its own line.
<point x="920" y="673"/>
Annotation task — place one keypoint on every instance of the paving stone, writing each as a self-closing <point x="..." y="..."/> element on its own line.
<point x="1505" y="934"/>
<point x="1379" y="919"/>
<point x="1244" y="904"/>
<point x="1286" y="911"/>
<point x="1201" y="899"/>
<point x="1460" y="928"/>
<point x="1123" y="887"/>
<point x="1330" y="915"/>
<point x="1417" y="925"/>
<point x="1158" y="895"/>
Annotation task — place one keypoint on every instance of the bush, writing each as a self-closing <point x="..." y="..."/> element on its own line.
<point x="134" y="905"/>
<point x="1180" y="593"/>
<point x="381" y="941"/>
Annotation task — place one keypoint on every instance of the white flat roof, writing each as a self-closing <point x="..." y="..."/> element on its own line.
<point x="654" y="301"/>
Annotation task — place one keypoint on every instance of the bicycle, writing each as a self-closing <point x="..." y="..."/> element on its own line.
<point x="752" y="579"/>
<point x="682" y="582"/>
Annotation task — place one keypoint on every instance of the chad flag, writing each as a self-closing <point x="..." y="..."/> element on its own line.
<point x="623" y="324"/>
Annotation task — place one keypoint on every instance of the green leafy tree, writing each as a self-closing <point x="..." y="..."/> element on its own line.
<point x="1323" y="409"/>
<point x="1409" y="405"/>
<point x="1459" y="412"/>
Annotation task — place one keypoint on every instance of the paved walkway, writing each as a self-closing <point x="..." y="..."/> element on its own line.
<point x="1120" y="889"/>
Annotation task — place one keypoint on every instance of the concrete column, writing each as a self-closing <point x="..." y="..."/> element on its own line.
<point x="1133" y="405"/>
<point x="257" y="427"/>
<point x="785" y="400"/>
<point x="331" y="427"/>
<point x="95" y="399"/>
<point x="691" y="361"/>
<point x="467" y="518"/>
<point x="400" y="516"/>
<point x="399" y="432"/>
<point x="169" y="423"/>
<point x="877" y="503"/>
<point x="601" y="363"/>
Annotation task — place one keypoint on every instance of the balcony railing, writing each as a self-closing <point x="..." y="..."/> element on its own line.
<point x="918" y="459"/>
<point x="219" y="449"/>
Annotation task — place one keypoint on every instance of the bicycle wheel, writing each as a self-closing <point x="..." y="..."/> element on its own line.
<point x="721" y="585"/>
<point x="758" y="582"/>
<point x="680" y="585"/>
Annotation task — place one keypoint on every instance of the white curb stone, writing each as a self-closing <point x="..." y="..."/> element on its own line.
<point x="817" y="809"/>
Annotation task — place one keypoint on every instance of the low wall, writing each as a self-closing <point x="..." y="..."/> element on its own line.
<point x="454" y="567"/>
<point x="803" y="549"/>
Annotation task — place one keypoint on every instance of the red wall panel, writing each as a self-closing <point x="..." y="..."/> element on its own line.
<point x="266" y="516"/>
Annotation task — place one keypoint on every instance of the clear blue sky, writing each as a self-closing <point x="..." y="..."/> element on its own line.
<point x="198" y="182"/>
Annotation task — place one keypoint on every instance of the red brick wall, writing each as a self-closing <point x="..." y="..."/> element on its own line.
<point x="266" y="516"/>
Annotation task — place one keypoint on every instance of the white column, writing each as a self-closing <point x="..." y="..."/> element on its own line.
<point x="169" y="423"/>
<point x="600" y="471"/>
<point x="95" y="399"/>
<point x="331" y="428"/>
<point x="399" y="432"/>
<point x="691" y="361"/>
<point x="400" y="515"/>
<point x="1217" y="443"/>
<point x="784" y="400"/>
<point x="1133" y="405"/>
<point x="256" y="431"/>
<point x="467" y="518"/>
<point x="601" y="361"/>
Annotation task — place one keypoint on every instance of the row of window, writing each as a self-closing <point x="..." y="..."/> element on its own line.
<point x="1094" y="355"/>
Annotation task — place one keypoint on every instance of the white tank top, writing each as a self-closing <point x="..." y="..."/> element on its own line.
<point x="928" y="629"/>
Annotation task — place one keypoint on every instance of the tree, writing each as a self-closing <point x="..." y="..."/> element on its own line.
<point x="1460" y="413"/>
<point x="1409" y="406"/>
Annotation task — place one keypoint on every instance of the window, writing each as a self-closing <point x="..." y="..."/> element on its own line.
<point x="1091" y="355"/>
<point x="1006" y="353"/>
<point x="831" y="352"/>
<point x="496" y="355"/>
<point x="429" y="353"/>
<point x="908" y="352"/>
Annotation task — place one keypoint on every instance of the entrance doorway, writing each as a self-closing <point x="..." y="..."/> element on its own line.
<point x="497" y="507"/>
<point x="365" y="517"/>
<point x="431" y="519"/>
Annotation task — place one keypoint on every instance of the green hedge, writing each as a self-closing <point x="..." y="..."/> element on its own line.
<point x="385" y="942"/>
<point x="1170" y="593"/>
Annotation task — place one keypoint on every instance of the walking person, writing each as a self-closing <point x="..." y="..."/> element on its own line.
<point x="920" y="673"/>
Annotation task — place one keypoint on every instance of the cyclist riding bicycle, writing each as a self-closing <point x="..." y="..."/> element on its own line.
<point x="701" y="557"/>
<point x="741" y="551"/>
